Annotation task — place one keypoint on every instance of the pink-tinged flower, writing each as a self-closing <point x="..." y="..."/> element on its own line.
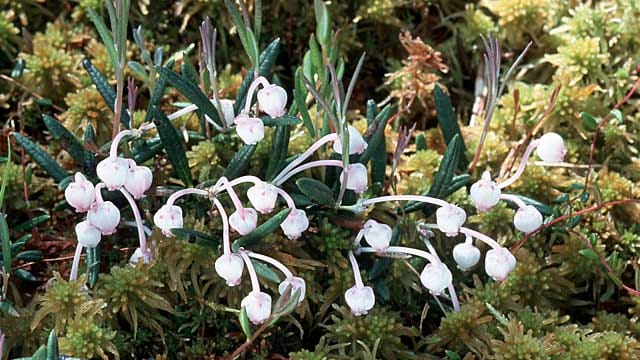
<point x="263" y="197"/>
<point x="105" y="216"/>
<point x="377" y="235"/>
<point x="527" y="219"/>
<point x="87" y="234"/>
<point x="436" y="277"/>
<point x="244" y="220"/>
<point x="167" y="218"/>
<point x="357" y="145"/>
<point x="139" y="255"/>
<point x="295" y="224"/>
<point x="485" y="193"/>
<point x="450" y="218"/>
<point x="139" y="180"/>
<point x="230" y="267"/>
<point x="360" y="299"/>
<point x="357" y="177"/>
<point x="296" y="283"/>
<point x="113" y="172"/>
<point x="227" y="110"/>
<point x="272" y="99"/>
<point x="466" y="255"/>
<point x="551" y="148"/>
<point x="258" y="306"/>
<point x="498" y="263"/>
<point x="80" y="193"/>
<point x="249" y="129"/>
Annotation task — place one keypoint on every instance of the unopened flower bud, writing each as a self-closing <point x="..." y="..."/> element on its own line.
<point x="295" y="224"/>
<point x="105" y="216"/>
<point x="87" y="234"/>
<point x="551" y="148"/>
<point x="377" y="235"/>
<point x="263" y="197"/>
<point x="80" y="193"/>
<point x="436" y="277"/>
<point x="485" y="193"/>
<point x="244" y="220"/>
<point x="139" y="180"/>
<point x="360" y="299"/>
<point x="167" y="218"/>
<point x="272" y="99"/>
<point x="139" y="255"/>
<point x="466" y="255"/>
<point x="296" y="283"/>
<point x="258" y="306"/>
<point x="449" y="219"/>
<point x="527" y="219"/>
<point x="249" y="129"/>
<point x="113" y="172"/>
<point x="357" y="145"/>
<point x="230" y="267"/>
<point x="357" y="177"/>
<point x="227" y="110"/>
<point x="498" y="263"/>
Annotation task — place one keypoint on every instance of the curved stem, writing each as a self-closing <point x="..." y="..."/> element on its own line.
<point x="173" y="197"/>
<point x="185" y="110"/>
<point x="113" y="153"/>
<point x="286" y="198"/>
<point x="254" y="85"/>
<point x="454" y="297"/>
<point x="404" y="250"/>
<point x="513" y="199"/>
<point x="255" y="284"/>
<point x="98" y="192"/>
<point x="359" y="236"/>
<point x="277" y="264"/>
<point x="73" y="275"/>
<point x="226" y="243"/>
<point x="136" y="214"/>
<point x="247" y="178"/>
<point x="480" y="236"/>
<point x="323" y="140"/>
<point x="306" y="166"/>
<point x="356" y="270"/>
<point x="232" y="193"/>
<point x="523" y="164"/>
<point x="420" y="198"/>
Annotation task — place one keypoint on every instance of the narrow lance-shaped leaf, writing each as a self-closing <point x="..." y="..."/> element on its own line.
<point x="69" y="142"/>
<point x="448" y="122"/>
<point x="105" y="35"/>
<point x="316" y="190"/>
<point x="300" y="96"/>
<point x="106" y="91"/>
<point x="172" y="143"/>
<point x="267" y="61"/>
<point x="156" y="93"/>
<point x="278" y="151"/>
<point x="46" y="162"/>
<point x="6" y="244"/>
<point x="378" y="136"/>
<point x="261" y="231"/>
<point x="240" y="161"/>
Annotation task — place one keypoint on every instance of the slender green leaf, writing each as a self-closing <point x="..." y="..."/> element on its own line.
<point x="544" y="209"/>
<point x="105" y="35"/>
<point x="280" y="121"/>
<point x="8" y="309"/>
<point x="32" y="223"/>
<point x="52" y="346"/>
<point x="245" y="325"/>
<point x="379" y="156"/>
<point x="30" y="255"/>
<point x="172" y="143"/>
<point x="23" y="274"/>
<point x="240" y="161"/>
<point x="7" y="172"/>
<point x="6" y="244"/>
<point x="252" y="50"/>
<point x="588" y="253"/>
<point x="46" y="162"/>
<point x="323" y="23"/>
<point x="316" y="190"/>
<point x="378" y="136"/>
<point x="93" y="264"/>
<point x="261" y="231"/>
<point x="69" y="142"/>
<point x="448" y="122"/>
<point x="589" y="123"/>
<point x="106" y="91"/>
<point x="196" y="237"/>
<point x="138" y="69"/>
<point x="447" y="168"/>
<point x="157" y="93"/>
<point x="300" y="96"/>
<point x="265" y="272"/>
<point x="278" y="151"/>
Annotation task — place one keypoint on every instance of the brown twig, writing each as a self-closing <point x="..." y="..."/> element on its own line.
<point x="32" y="92"/>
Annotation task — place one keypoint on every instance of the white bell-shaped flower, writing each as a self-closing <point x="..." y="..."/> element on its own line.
<point x="377" y="235"/>
<point x="295" y="224"/>
<point x="227" y="110"/>
<point x="485" y="193"/>
<point x="357" y="145"/>
<point x="113" y="172"/>
<point x="105" y="216"/>
<point x="139" y="255"/>
<point x="357" y="177"/>
<point x="258" y="306"/>
<point x="244" y="220"/>
<point x="450" y="218"/>
<point x="249" y="129"/>
<point x="230" y="267"/>
<point x="263" y="197"/>
<point x="527" y="219"/>
<point x="80" y="193"/>
<point x="436" y="277"/>
<point x="551" y="148"/>
<point x="498" y="263"/>
<point x="272" y="99"/>
<point x="296" y="283"/>
<point x="360" y="299"/>
<point x="88" y="235"/>
<point x="139" y="180"/>
<point x="167" y="218"/>
<point x="466" y="255"/>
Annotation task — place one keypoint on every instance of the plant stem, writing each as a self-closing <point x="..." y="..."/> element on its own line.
<point x="255" y="284"/>
<point x="323" y="140"/>
<point x="356" y="270"/>
<point x="73" y="275"/>
<point x="260" y="80"/>
<point x="117" y="111"/>
<point x="420" y="198"/>
<point x="226" y="243"/>
<point x="480" y="236"/>
<point x="306" y="166"/>
<point x="521" y="167"/>
<point x="521" y="204"/>
<point x="286" y="198"/>
<point x="113" y="153"/>
<point x="173" y="197"/>
<point x="136" y="214"/>
<point x="277" y="264"/>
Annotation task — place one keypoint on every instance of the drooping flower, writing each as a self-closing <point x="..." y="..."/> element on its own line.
<point x="296" y="283"/>
<point x="258" y="306"/>
<point x="139" y="180"/>
<point x="113" y="172"/>
<point x="498" y="263"/>
<point x="377" y="235"/>
<point x="360" y="299"/>
<point x="551" y="148"/>
<point x="244" y="220"/>
<point x="230" y="268"/>
<point x="436" y="277"/>
<point x="272" y="99"/>
<point x="450" y="218"/>
<point x="80" y="193"/>
<point x="357" y="177"/>
<point x="249" y="129"/>
<point x="295" y="224"/>
<point x="88" y="235"/>
<point x="527" y="219"/>
<point x="167" y="218"/>
<point x="139" y="255"/>
<point x="485" y="193"/>
<point x="105" y="216"/>
<point x="263" y="197"/>
<point x="357" y="145"/>
<point x="466" y="255"/>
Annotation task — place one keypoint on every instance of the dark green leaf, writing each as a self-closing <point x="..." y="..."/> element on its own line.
<point x="196" y="237"/>
<point x="52" y="346"/>
<point x="544" y="209"/>
<point x="157" y="93"/>
<point x="448" y="122"/>
<point x="30" y="255"/>
<point x="281" y="120"/>
<point x="589" y="123"/>
<point x="19" y="244"/>
<point x="323" y="23"/>
<point x="588" y="253"/>
<point x="574" y="221"/>
<point x="68" y="140"/>
<point x="278" y="151"/>
<point x="173" y="145"/>
<point x="6" y="244"/>
<point x="240" y="161"/>
<point x="93" y="265"/>
<point x="243" y="318"/>
<point x="267" y="60"/>
<point x="105" y="35"/>
<point x="378" y="136"/>
<point x="452" y="355"/>
<point x="23" y="274"/>
<point x="316" y="190"/>
<point x="30" y="224"/>
<point x="421" y="142"/>
<point x="300" y="96"/>
<point x="138" y="69"/>
<point x="265" y="272"/>
<point x="8" y="309"/>
<point x="147" y="151"/>
<point x="447" y="168"/>
<point x="105" y="90"/>
<point x="261" y="231"/>
<point x="18" y="69"/>
<point x="46" y="162"/>
<point x="379" y="156"/>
